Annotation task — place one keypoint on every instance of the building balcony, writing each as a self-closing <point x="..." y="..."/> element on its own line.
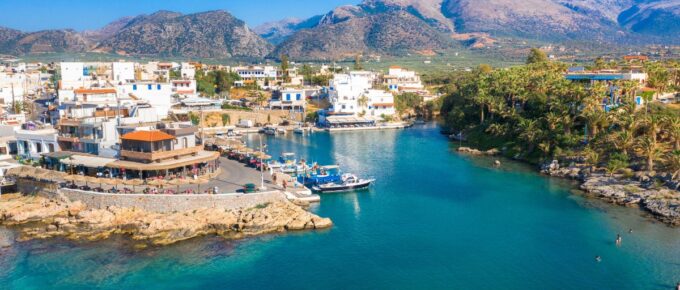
<point x="68" y="138"/>
<point x="158" y="155"/>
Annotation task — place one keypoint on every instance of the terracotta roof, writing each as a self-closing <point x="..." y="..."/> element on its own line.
<point x="95" y="91"/>
<point x="383" y="105"/>
<point x="147" y="136"/>
<point x="395" y="66"/>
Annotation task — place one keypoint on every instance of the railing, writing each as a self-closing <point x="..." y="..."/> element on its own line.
<point x="158" y="155"/>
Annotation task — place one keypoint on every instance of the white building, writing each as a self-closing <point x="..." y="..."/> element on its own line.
<point x="158" y="95"/>
<point x="344" y="90"/>
<point x="123" y="72"/>
<point x="188" y="71"/>
<point x="185" y="88"/>
<point x="292" y="99"/>
<point x="379" y="103"/>
<point x="257" y="74"/>
<point x="402" y="80"/>
<point x="32" y="143"/>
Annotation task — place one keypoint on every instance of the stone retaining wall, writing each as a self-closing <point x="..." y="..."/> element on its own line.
<point x="171" y="203"/>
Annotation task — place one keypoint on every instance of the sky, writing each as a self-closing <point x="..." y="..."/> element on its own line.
<point x="34" y="15"/>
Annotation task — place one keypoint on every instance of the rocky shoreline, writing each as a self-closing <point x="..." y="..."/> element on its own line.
<point x="37" y="217"/>
<point x="662" y="202"/>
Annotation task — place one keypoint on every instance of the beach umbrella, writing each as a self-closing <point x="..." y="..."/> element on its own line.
<point x="157" y="182"/>
<point x="134" y="182"/>
<point x="176" y="182"/>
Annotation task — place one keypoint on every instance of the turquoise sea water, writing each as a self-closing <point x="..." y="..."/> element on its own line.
<point x="433" y="220"/>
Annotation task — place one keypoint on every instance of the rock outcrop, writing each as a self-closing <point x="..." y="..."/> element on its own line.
<point x="476" y="152"/>
<point x="662" y="202"/>
<point x="41" y="218"/>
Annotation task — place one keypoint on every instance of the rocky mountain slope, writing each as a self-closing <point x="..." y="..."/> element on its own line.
<point x="46" y="41"/>
<point x="614" y="21"/>
<point x="343" y="35"/>
<point x="394" y="27"/>
<point x="213" y="34"/>
<point x="660" y="18"/>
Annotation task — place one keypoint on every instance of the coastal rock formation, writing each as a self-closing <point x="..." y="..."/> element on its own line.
<point x="39" y="217"/>
<point x="475" y="152"/>
<point x="663" y="203"/>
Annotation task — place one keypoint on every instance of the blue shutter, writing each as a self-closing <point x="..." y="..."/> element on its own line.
<point x="148" y="87"/>
<point x="134" y="87"/>
<point x="158" y="87"/>
<point x="298" y="97"/>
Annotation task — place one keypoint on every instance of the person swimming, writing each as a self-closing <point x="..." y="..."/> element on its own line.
<point x="618" y="239"/>
<point x="598" y="259"/>
<point x="630" y="231"/>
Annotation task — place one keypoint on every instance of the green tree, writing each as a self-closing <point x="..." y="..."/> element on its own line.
<point x="536" y="56"/>
<point x="226" y="119"/>
<point x="649" y="149"/>
<point x="284" y="68"/>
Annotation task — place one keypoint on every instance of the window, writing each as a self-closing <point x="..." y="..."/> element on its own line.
<point x="38" y="147"/>
<point x="287" y="97"/>
<point x="298" y="97"/>
<point x="149" y="87"/>
<point x="158" y="87"/>
<point x="50" y="147"/>
<point x="134" y="87"/>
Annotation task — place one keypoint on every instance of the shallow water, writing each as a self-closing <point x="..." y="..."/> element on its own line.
<point x="433" y="220"/>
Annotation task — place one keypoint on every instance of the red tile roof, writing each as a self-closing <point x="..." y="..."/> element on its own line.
<point x="147" y="136"/>
<point x="95" y="91"/>
<point x="383" y="105"/>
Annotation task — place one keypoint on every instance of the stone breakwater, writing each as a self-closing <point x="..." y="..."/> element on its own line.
<point x="662" y="202"/>
<point x="39" y="217"/>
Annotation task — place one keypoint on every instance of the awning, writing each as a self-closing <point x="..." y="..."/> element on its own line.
<point x="87" y="161"/>
<point x="350" y="120"/>
<point x="203" y="156"/>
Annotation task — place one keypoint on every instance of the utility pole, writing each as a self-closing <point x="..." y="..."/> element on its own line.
<point x="261" y="164"/>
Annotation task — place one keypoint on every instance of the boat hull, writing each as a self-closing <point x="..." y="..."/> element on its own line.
<point x="364" y="184"/>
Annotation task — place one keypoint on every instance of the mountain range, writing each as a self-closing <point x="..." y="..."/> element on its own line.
<point x="393" y="27"/>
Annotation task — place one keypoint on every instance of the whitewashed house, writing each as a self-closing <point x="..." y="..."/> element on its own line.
<point x="31" y="143"/>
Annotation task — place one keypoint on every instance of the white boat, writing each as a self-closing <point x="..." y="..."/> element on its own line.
<point x="350" y="182"/>
<point x="269" y="130"/>
<point x="300" y="130"/>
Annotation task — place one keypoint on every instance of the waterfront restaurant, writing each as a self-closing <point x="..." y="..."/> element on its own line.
<point x="166" y="152"/>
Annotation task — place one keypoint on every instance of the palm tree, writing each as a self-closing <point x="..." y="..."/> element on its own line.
<point x="648" y="148"/>
<point x="623" y="141"/>
<point x="674" y="163"/>
<point x="553" y="120"/>
<point x="652" y="125"/>
<point x="672" y="125"/>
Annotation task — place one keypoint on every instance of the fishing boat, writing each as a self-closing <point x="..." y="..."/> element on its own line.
<point x="301" y="130"/>
<point x="269" y="130"/>
<point x="349" y="182"/>
<point x="285" y="159"/>
<point x="321" y="175"/>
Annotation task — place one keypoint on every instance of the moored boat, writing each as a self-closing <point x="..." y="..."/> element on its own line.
<point x="349" y="182"/>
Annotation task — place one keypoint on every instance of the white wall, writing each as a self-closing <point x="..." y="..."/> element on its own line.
<point x="123" y="72"/>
